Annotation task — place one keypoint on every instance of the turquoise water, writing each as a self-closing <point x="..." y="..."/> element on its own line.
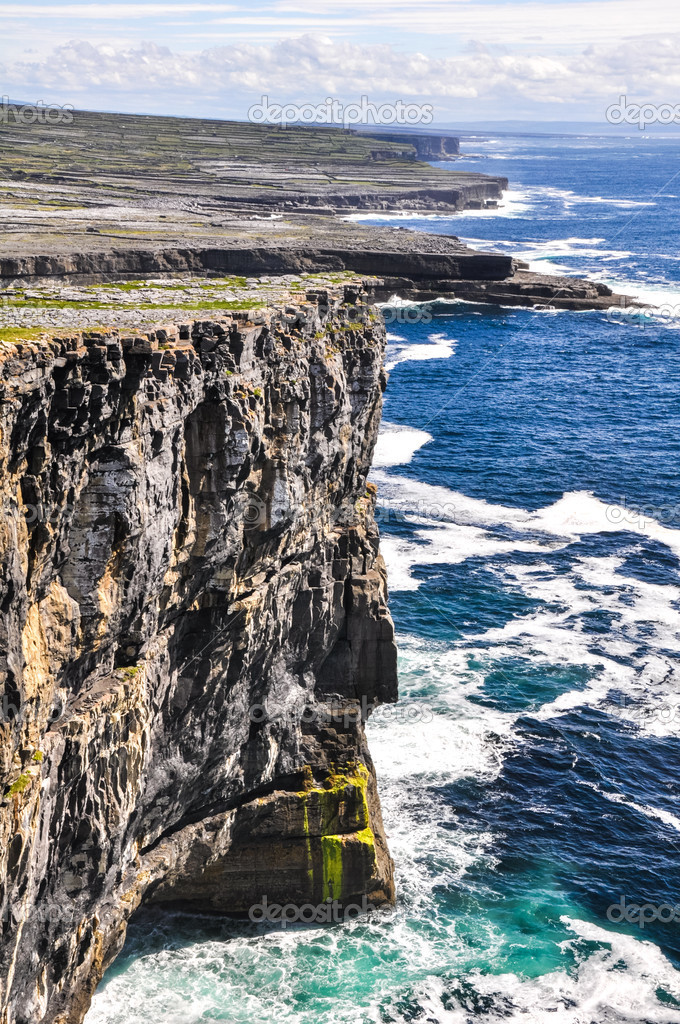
<point x="528" y="474"/>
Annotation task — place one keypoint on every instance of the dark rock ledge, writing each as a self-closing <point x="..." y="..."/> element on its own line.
<point x="414" y="266"/>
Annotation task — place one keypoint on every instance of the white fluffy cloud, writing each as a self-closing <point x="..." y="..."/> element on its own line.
<point x="226" y="80"/>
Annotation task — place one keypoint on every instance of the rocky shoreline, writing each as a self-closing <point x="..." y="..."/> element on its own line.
<point x="113" y="197"/>
<point x="444" y="269"/>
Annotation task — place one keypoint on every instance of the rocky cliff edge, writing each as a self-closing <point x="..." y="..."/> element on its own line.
<point x="194" y="619"/>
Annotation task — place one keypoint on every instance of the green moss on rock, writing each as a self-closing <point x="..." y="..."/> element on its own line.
<point x="331" y="852"/>
<point x="20" y="784"/>
<point x="347" y="783"/>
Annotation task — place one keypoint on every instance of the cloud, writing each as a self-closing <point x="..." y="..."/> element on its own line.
<point x="562" y="24"/>
<point x="311" y="67"/>
<point x="108" y="12"/>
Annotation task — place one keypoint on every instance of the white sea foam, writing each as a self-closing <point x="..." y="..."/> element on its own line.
<point x="543" y="257"/>
<point x="655" y="296"/>
<point x="579" y="513"/>
<point x="397" y="301"/>
<point x="570" y="198"/>
<point x="454" y="527"/>
<point x="449" y="528"/>
<point x="442" y="748"/>
<point x="396" y="215"/>
<point x="439" y="346"/>
<point x="615" y="980"/>
<point x="618" y="983"/>
<point x="655" y="813"/>
<point x="514" y="203"/>
<point x="397" y="445"/>
<point x="571" y="247"/>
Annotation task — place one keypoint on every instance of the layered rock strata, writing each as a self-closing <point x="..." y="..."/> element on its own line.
<point x="194" y="613"/>
<point x="520" y="288"/>
<point x="450" y="261"/>
<point x="443" y="268"/>
<point x="426" y="146"/>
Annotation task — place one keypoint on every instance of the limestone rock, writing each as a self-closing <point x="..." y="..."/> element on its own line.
<point x="194" y="607"/>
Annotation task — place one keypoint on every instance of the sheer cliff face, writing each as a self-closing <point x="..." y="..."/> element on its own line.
<point x="193" y="606"/>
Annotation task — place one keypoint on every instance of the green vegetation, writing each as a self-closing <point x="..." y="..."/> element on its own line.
<point x="331" y="852"/>
<point x="207" y="304"/>
<point x="347" y="783"/>
<point x="17" y="334"/>
<point x="175" y="284"/>
<point x="308" y="842"/>
<point x="20" y="784"/>
<point x="182" y="149"/>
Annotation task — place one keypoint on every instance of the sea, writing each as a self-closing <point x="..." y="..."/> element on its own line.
<point x="528" y="472"/>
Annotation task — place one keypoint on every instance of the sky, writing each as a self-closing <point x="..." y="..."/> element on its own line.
<point x="493" y="60"/>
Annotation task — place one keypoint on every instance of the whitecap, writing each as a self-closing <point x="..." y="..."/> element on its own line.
<point x="618" y="983"/>
<point x="397" y="445"/>
<point x="439" y="346"/>
<point x="453" y="527"/>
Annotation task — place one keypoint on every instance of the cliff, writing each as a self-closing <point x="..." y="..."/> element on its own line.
<point x="424" y="145"/>
<point x="194" y="612"/>
<point x="402" y="263"/>
<point x="415" y="267"/>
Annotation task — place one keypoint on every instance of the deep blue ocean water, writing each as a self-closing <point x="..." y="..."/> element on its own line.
<point x="529" y="482"/>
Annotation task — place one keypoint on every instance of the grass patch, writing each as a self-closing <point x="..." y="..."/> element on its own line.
<point x="20" y="784"/>
<point x="17" y="334"/>
<point x="83" y="304"/>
